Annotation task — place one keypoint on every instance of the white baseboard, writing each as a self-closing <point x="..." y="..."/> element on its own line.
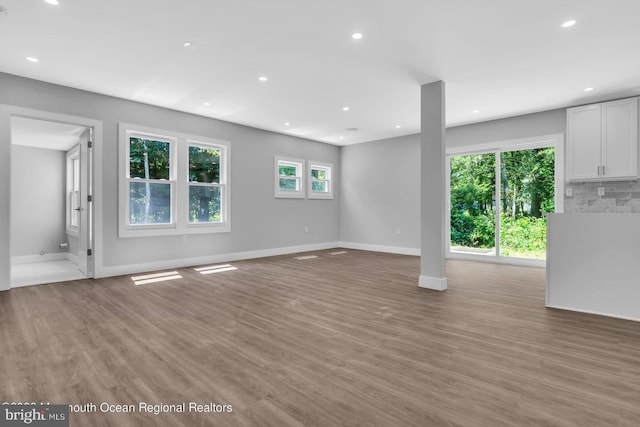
<point x="435" y="283"/>
<point x="27" y="259"/>
<point x="597" y="313"/>
<point x="380" y="248"/>
<point x="210" y="259"/>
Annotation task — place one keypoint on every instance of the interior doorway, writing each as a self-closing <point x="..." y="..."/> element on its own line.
<point x="51" y="209"/>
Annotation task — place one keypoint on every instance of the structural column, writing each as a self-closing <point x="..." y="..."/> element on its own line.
<point x="5" y="194"/>
<point x="432" y="187"/>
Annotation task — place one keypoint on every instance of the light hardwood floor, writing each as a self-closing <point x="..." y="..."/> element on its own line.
<point x="337" y="340"/>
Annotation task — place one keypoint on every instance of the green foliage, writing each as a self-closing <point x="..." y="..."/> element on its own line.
<point x="527" y="191"/>
<point x="288" y="184"/>
<point x="204" y="165"/>
<point x="148" y="159"/>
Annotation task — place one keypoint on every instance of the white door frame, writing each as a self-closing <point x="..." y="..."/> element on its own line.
<point x="555" y="140"/>
<point x="9" y="111"/>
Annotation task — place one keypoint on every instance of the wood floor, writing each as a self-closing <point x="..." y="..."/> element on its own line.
<point x="337" y="340"/>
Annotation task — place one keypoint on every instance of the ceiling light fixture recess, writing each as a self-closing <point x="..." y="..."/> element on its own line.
<point x="588" y="89"/>
<point x="398" y="126"/>
<point x="356" y="36"/>
<point x="287" y="124"/>
<point x="263" y="78"/>
<point x="476" y="111"/>
<point x="345" y="108"/>
<point x="32" y="59"/>
<point x="53" y="2"/>
<point x="569" y="23"/>
<point x="352" y="129"/>
<point x="207" y="104"/>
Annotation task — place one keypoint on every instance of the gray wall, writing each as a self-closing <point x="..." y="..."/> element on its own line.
<point x="258" y="220"/>
<point x="380" y="190"/>
<point x="375" y="204"/>
<point x="38" y="187"/>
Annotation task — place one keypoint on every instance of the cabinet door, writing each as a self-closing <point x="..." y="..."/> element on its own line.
<point x="620" y="139"/>
<point x="583" y="142"/>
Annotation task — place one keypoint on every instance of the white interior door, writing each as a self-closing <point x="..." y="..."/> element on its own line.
<point x="85" y="254"/>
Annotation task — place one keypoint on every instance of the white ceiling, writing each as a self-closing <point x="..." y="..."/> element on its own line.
<point x="44" y="134"/>
<point x="500" y="57"/>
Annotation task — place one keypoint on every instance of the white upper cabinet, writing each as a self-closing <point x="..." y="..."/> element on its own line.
<point x="602" y="141"/>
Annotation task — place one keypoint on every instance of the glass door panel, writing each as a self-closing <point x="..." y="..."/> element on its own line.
<point x="472" y="214"/>
<point x="527" y="188"/>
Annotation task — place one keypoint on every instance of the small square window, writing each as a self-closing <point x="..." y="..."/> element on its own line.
<point x="320" y="180"/>
<point x="289" y="178"/>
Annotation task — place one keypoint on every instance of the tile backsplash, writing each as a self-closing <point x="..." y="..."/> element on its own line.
<point x="619" y="197"/>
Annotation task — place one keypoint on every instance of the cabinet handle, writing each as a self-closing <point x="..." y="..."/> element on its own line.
<point x="602" y="170"/>
<point x="598" y="170"/>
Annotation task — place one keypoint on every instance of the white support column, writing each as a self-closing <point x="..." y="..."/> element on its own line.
<point x="432" y="187"/>
<point x="5" y="194"/>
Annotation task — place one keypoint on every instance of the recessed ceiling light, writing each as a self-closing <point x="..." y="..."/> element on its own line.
<point x="398" y="126"/>
<point x="345" y="108"/>
<point x="352" y="129"/>
<point x="588" y="89"/>
<point x="287" y="124"/>
<point x="53" y="2"/>
<point x="32" y="59"/>
<point x="263" y="78"/>
<point x="189" y="45"/>
<point x="207" y="104"/>
<point x="356" y="36"/>
<point x="569" y="23"/>
<point x="476" y="111"/>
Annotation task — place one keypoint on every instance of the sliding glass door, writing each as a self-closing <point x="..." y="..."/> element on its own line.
<point x="498" y="201"/>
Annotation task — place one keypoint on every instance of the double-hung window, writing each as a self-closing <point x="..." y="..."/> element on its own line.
<point x="289" y="178"/>
<point x="320" y="180"/>
<point x="151" y="179"/>
<point x="172" y="183"/>
<point x="73" y="191"/>
<point x="206" y="188"/>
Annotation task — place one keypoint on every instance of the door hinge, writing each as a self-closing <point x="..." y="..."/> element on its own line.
<point x="89" y="252"/>
<point x="90" y="144"/>
<point x="89" y="198"/>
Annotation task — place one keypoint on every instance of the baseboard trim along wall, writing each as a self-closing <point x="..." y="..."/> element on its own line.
<point x="211" y="259"/>
<point x="597" y="313"/>
<point x="434" y="283"/>
<point x="380" y="248"/>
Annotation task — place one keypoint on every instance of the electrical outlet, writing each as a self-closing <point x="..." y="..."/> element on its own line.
<point x="569" y="192"/>
<point x="600" y="191"/>
<point x="397" y="231"/>
<point x="306" y="229"/>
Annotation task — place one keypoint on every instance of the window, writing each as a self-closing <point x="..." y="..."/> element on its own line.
<point x="171" y="183"/>
<point x="151" y="178"/>
<point x="205" y="188"/>
<point x="498" y="196"/>
<point x="73" y="191"/>
<point x="320" y="180"/>
<point x="289" y="178"/>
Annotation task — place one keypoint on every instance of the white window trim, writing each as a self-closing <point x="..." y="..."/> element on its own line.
<point x="289" y="194"/>
<point x="73" y="154"/>
<point x="330" y="182"/>
<point x="179" y="175"/>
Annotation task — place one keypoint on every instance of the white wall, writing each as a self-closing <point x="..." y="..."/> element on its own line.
<point x="38" y="187"/>
<point x="374" y="206"/>
<point x="259" y="221"/>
